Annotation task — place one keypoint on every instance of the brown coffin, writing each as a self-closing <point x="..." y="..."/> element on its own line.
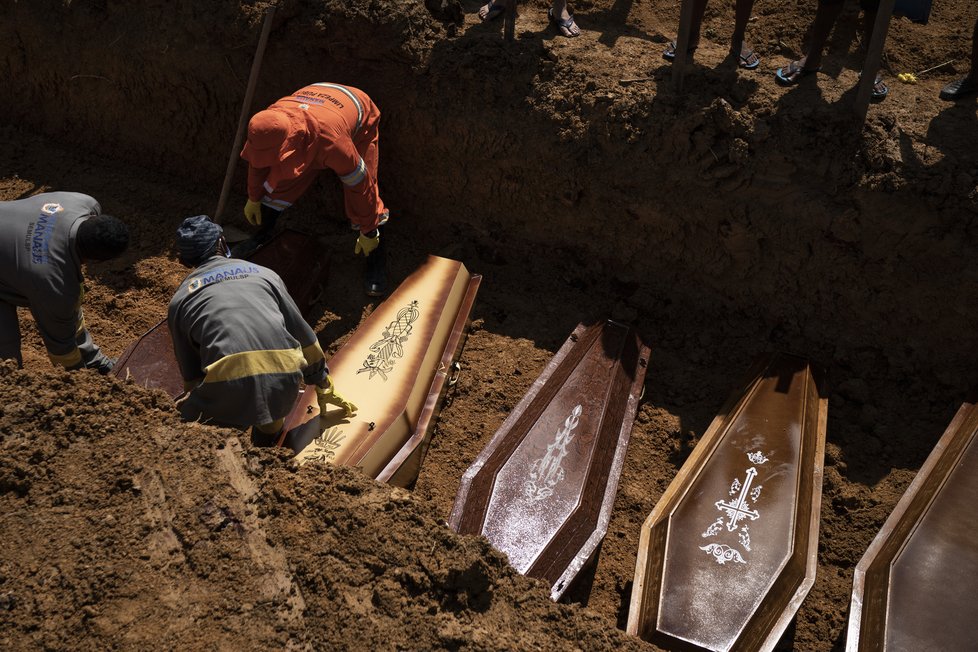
<point x="729" y="552"/>
<point x="916" y="588"/>
<point x="149" y="361"/>
<point x="543" y="488"/>
<point x="294" y="256"/>
<point x="394" y="368"/>
<point x="297" y="258"/>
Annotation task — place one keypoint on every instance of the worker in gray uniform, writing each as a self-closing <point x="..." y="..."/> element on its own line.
<point x="44" y="240"/>
<point x="239" y="339"/>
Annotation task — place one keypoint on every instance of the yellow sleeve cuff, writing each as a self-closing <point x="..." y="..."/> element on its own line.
<point x="67" y="360"/>
<point x="313" y="353"/>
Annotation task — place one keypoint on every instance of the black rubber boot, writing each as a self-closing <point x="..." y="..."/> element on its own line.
<point x="269" y="216"/>
<point x="375" y="271"/>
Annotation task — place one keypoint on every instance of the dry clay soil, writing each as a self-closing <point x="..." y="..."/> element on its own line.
<point x="735" y="218"/>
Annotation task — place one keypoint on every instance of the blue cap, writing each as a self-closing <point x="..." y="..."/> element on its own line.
<point x="196" y="238"/>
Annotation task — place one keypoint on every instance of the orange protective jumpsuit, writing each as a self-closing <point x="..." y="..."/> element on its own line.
<point x="329" y="126"/>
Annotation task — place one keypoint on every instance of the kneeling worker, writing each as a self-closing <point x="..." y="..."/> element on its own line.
<point x="239" y="339"/>
<point x="318" y="127"/>
<point x="44" y="240"/>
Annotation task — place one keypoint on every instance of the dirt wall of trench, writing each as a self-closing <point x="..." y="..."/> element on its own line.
<point x="726" y="197"/>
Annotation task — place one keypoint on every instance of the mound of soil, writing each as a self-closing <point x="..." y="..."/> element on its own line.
<point x="127" y="528"/>
<point x="732" y="218"/>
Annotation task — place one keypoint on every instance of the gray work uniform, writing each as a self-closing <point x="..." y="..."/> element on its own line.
<point x="40" y="270"/>
<point x="241" y="344"/>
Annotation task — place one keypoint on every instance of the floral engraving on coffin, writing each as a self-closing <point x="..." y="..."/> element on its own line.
<point x="390" y="348"/>
<point x="547" y="472"/>
<point x="757" y="457"/>
<point x="714" y="529"/>
<point x="323" y="448"/>
<point x="723" y="553"/>
<point x="738" y="510"/>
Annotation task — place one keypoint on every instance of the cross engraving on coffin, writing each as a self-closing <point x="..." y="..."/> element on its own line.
<point x="739" y="508"/>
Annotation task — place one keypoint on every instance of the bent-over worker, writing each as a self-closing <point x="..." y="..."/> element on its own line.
<point x="239" y="339"/>
<point x="44" y="240"/>
<point x="319" y="126"/>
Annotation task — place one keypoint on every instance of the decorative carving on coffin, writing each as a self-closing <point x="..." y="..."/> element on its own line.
<point x="729" y="552"/>
<point x="542" y="489"/>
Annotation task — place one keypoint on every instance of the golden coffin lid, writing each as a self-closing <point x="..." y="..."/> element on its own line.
<point x="729" y="552"/>
<point x="293" y="255"/>
<point x="543" y="488"/>
<point x="395" y="369"/>
<point x="916" y="588"/>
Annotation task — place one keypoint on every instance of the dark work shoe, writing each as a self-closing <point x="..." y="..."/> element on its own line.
<point x="959" y="89"/>
<point x="269" y="217"/>
<point x="247" y="247"/>
<point x="375" y="278"/>
<point x="375" y="272"/>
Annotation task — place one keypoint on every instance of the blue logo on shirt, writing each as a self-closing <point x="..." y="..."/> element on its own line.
<point x="229" y="273"/>
<point x="43" y="229"/>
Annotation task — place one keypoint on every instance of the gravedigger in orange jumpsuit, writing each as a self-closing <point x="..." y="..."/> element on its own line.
<point x="319" y="126"/>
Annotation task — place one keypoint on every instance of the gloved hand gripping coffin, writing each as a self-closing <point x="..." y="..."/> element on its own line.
<point x="395" y="368"/>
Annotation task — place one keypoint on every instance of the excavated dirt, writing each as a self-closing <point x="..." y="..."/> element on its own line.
<point x="735" y="218"/>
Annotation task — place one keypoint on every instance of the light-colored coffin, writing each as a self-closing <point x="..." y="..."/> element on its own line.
<point x="916" y="588"/>
<point x="729" y="552"/>
<point x="394" y="368"/>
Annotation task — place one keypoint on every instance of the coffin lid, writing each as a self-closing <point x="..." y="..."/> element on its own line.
<point x="543" y="488"/>
<point x="394" y="368"/>
<point x="729" y="552"/>
<point x="914" y="588"/>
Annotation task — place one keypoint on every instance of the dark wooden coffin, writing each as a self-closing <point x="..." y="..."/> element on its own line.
<point x="729" y="552"/>
<point x="149" y="361"/>
<point x="293" y="255"/>
<point x="298" y="259"/>
<point x="543" y="488"/>
<point x="916" y="588"/>
<point x="395" y="368"/>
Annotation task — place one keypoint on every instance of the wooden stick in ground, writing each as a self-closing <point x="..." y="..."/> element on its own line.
<point x="509" y="20"/>
<point x="245" y="110"/>
<point x="682" y="43"/>
<point x="874" y="54"/>
<point x="933" y="68"/>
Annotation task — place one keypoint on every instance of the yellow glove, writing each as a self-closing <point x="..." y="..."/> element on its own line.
<point x="252" y="212"/>
<point x="327" y="395"/>
<point x="367" y="243"/>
